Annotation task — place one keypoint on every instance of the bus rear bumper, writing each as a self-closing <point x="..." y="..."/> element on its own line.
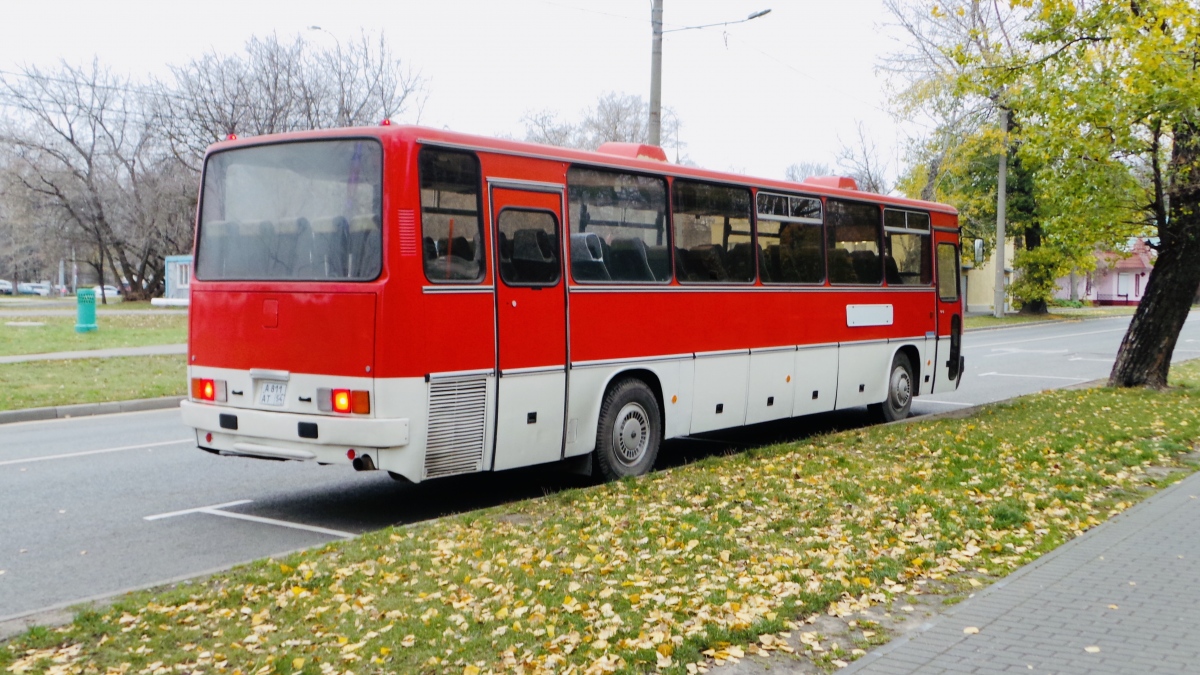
<point x="277" y="435"/>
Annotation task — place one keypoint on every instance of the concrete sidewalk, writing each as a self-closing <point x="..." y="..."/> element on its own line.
<point x="1122" y="598"/>
<point x="149" y="350"/>
<point x="87" y="409"/>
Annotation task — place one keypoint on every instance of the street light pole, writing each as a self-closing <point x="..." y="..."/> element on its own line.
<point x="656" y="11"/>
<point x="998" y="296"/>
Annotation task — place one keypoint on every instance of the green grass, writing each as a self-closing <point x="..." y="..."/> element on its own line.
<point x="1007" y="320"/>
<point x="36" y="384"/>
<point x="1093" y="312"/>
<point x="116" y="330"/>
<point x="696" y="563"/>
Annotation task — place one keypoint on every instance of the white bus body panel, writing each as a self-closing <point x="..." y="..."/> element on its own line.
<point x="863" y="373"/>
<point x="525" y="397"/>
<point x="816" y="380"/>
<point x="772" y="385"/>
<point x="928" y="354"/>
<point x="721" y="383"/>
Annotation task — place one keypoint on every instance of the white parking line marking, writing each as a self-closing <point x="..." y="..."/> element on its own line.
<point x="94" y="452"/>
<point x="1081" y="358"/>
<point x="1044" y="377"/>
<point x="922" y="399"/>
<point x="198" y="509"/>
<point x="284" y="523"/>
<point x="216" y="510"/>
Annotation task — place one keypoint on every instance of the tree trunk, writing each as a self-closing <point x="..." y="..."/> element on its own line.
<point x="1033" y="240"/>
<point x="1144" y="358"/>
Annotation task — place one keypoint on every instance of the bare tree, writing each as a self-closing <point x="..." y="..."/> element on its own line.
<point x="800" y="170"/>
<point x="545" y="127"/>
<point x="615" y="117"/>
<point x="860" y="159"/>
<point x="81" y="140"/>
<point x="276" y="86"/>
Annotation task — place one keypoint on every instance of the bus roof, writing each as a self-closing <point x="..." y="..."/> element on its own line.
<point x="619" y="155"/>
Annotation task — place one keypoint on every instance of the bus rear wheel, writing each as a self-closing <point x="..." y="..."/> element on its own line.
<point x="899" y="391"/>
<point x="630" y="430"/>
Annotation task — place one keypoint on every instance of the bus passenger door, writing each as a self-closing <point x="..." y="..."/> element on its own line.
<point x="947" y="364"/>
<point x="531" y="323"/>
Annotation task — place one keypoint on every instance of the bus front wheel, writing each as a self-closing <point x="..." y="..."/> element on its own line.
<point x="629" y="432"/>
<point x="899" y="391"/>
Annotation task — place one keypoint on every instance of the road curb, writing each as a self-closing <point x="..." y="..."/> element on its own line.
<point x="89" y="409"/>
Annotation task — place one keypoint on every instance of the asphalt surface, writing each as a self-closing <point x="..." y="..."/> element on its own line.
<point x="95" y="506"/>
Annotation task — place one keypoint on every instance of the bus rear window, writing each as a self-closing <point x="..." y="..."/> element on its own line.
<point x="305" y="211"/>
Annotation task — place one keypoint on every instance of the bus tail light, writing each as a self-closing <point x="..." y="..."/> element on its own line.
<point x="341" y="400"/>
<point x="204" y="389"/>
<point x="344" y="401"/>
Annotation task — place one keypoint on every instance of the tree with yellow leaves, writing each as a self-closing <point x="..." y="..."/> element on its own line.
<point x="1113" y="87"/>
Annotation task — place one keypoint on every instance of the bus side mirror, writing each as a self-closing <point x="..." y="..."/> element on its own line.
<point x="978" y="251"/>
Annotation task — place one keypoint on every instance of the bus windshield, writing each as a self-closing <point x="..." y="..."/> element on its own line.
<point x="304" y="211"/>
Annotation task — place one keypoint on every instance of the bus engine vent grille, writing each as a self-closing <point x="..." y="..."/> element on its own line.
<point x="457" y="419"/>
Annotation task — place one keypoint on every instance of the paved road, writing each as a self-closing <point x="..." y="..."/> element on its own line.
<point x="94" y="506"/>
<point x="1009" y="362"/>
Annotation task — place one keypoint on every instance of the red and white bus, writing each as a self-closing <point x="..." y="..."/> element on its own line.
<point x="431" y="303"/>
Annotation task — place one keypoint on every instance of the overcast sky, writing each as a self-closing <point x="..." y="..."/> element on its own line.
<point x="753" y="97"/>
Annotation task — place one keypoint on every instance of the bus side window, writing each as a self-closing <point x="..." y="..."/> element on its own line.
<point x="533" y="238"/>
<point x="451" y="240"/>
<point x="948" y="269"/>
<point x="617" y="227"/>
<point x="712" y="233"/>
<point x="908" y="256"/>
<point x="852" y="239"/>
<point x="790" y="244"/>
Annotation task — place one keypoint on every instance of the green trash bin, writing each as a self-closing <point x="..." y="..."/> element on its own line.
<point x="85" y="310"/>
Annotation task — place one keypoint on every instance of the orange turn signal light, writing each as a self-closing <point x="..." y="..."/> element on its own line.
<point x="360" y="402"/>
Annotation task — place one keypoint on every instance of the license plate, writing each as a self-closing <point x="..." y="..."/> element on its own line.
<point x="272" y="393"/>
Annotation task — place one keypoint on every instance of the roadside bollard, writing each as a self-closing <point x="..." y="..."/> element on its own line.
<point x="85" y="310"/>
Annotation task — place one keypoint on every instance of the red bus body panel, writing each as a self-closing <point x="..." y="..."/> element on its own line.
<point x="313" y="332"/>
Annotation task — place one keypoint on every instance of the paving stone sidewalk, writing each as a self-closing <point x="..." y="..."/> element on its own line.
<point x="1122" y="598"/>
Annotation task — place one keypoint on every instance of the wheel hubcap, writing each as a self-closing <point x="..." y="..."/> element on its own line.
<point x="631" y="434"/>
<point x="901" y="389"/>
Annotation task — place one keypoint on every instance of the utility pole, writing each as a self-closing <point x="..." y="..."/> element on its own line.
<point x="656" y="9"/>
<point x="1001" y="214"/>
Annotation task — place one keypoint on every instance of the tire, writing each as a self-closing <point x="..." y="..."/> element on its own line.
<point x="629" y="432"/>
<point x="899" y="391"/>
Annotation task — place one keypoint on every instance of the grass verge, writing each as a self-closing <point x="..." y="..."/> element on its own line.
<point x="57" y="333"/>
<point x="1056" y="314"/>
<point x="710" y="561"/>
<point x="37" y="384"/>
<point x="1007" y="320"/>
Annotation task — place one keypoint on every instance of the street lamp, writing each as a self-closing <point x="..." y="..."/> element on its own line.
<point x="335" y="38"/>
<point x="656" y="9"/>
